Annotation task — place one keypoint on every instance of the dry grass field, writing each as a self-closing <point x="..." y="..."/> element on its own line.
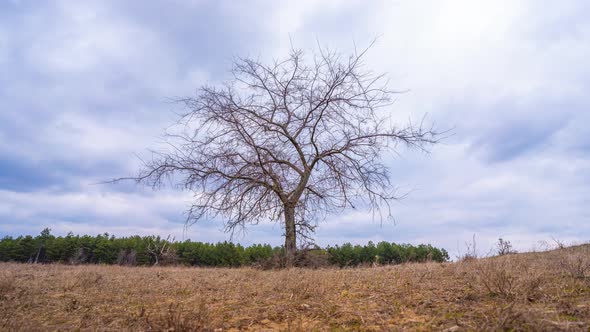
<point x="531" y="291"/>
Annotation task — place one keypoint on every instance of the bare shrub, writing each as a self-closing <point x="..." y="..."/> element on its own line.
<point x="504" y="247"/>
<point x="576" y="264"/>
<point x="570" y="309"/>
<point x="509" y="278"/>
<point x="558" y="243"/>
<point x="160" y="251"/>
<point x="496" y="278"/>
<point x="515" y="317"/>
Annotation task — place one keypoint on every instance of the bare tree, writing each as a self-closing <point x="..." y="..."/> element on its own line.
<point x="287" y="142"/>
<point x="504" y="247"/>
<point x="158" y="249"/>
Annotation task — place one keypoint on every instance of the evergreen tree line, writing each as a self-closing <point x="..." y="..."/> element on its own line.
<point x="154" y="250"/>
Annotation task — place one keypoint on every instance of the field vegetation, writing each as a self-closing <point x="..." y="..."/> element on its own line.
<point x="526" y="291"/>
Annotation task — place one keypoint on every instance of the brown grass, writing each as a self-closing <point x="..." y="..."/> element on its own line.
<point x="532" y="291"/>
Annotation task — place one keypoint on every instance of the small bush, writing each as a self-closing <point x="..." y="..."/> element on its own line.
<point x="509" y="278"/>
<point x="504" y="247"/>
<point x="577" y="264"/>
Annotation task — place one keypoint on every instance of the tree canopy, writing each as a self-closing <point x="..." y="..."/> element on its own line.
<point x="288" y="141"/>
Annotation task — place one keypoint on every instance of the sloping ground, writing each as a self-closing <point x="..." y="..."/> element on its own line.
<point x="532" y="291"/>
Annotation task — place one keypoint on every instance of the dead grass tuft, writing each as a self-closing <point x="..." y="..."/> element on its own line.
<point x="175" y="318"/>
<point x="7" y="284"/>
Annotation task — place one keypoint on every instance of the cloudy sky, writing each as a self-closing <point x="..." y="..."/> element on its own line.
<point x="85" y="87"/>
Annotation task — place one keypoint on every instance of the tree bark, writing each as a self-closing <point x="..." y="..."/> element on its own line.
<point x="290" y="235"/>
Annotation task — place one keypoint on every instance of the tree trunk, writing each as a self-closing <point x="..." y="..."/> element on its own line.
<point x="290" y="235"/>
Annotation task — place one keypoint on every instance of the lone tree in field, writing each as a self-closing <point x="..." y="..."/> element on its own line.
<point x="288" y="141"/>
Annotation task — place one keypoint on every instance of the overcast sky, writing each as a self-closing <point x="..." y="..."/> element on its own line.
<point x="85" y="86"/>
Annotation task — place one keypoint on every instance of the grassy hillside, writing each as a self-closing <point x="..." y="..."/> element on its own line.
<point x="530" y="291"/>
